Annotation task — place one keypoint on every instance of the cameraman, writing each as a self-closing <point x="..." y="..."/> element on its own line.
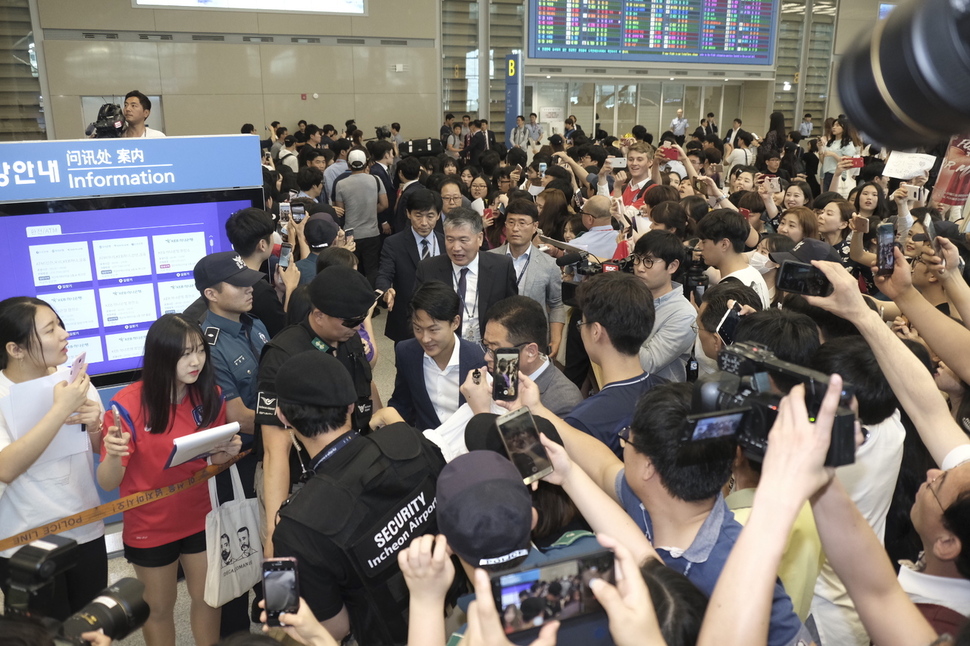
<point x="137" y="107"/>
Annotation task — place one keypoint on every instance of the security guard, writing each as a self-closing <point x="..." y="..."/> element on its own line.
<point x="368" y="497"/>
<point x="236" y="340"/>
<point x="341" y="298"/>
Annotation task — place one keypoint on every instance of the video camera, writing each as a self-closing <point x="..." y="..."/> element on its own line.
<point x="695" y="280"/>
<point x="120" y="609"/>
<point x="742" y="386"/>
<point x="382" y="132"/>
<point x="587" y="267"/>
<point x="110" y="123"/>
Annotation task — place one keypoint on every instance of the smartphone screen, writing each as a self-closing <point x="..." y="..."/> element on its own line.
<point x="802" y="278"/>
<point x="299" y="212"/>
<point x="709" y="426"/>
<point x="521" y="438"/>
<point x="349" y="232"/>
<point x="729" y="325"/>
<point x="542" y="170"/>
<point x="885" y="241"/>
<point x="557" y="590"/>
<point x="286" y="250"/>
<point x="505" y="374"/>
<point x="285" y="210"/>
<point x="281" y="586"/>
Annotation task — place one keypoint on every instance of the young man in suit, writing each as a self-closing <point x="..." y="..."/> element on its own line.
<point x="400" y="257"/>
<point x="536" y="274"/>
<point x="382" y="152"/>
<point x="408" y="171"/>
<point x="432" y="365"/>
<point x="480" y="280"/>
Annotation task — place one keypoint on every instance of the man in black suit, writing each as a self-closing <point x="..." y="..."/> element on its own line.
<point x="400" y="256"/>
<point x="408" y="171"/>
<point x="432" y="366"/>
<point x="489" y="136"/>
<point x="477" y="143"/>
<point x="382" y="152"/>
<point x="480" y="280"/>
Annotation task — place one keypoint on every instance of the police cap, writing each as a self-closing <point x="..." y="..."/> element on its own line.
<point x="341" y="292"/>
<point x="484" y="509"/>
<point x="315" y="378"/>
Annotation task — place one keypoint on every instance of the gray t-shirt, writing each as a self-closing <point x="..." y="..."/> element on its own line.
<point x="359" y="193"/>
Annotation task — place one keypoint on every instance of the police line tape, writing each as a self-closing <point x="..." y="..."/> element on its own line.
<point x="117" y="506"/>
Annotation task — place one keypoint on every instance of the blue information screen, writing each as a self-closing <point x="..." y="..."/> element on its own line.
<point x="723" y="32"/>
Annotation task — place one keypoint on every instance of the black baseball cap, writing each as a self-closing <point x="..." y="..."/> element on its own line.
<point x="341" y="292"/>
<point x="556" y="140"/>
<point x="315" y="378"/>
<point x="481" y="433"/>
<point x="224" y="267"/>
<point x="806" y="251"/>
<point x="320" y="232"/>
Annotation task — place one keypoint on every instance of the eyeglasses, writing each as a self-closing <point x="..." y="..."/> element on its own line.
<point x="580" y="324"/>
<point x="624" y="435"/>
<point x="519" y="224"/>
<point x="643" y="260"/>
<point x="929" y="485"/>
<point x="451" y="198"/>
<point x="490" y="351"/>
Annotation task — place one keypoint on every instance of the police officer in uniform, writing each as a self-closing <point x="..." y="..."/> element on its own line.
<point x="367" y="498"/>
<point x="236" y="340"/>
<point x="341" y="298"/>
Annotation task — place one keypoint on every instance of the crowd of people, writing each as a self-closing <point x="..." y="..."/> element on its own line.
<point x="606" y="266"/>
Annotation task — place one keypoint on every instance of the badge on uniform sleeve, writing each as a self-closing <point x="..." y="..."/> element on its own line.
<point x="212" y="335"/>
<point x="266" y="404"/>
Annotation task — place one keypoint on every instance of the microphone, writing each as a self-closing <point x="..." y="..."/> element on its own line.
<point x="569" y="259"/>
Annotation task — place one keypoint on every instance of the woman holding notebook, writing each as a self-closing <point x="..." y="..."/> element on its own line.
<point x="176" y="396"/>
<point x="46" y="467"/>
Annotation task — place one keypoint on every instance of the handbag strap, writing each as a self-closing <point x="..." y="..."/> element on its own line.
<point x="237" y="488"/>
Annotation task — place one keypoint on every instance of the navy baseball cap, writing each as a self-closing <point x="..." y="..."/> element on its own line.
<point x="224" y="267"/>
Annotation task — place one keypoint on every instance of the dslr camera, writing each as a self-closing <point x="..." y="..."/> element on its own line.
<point x="119" y="609"/>
<point x="743" y="386"/>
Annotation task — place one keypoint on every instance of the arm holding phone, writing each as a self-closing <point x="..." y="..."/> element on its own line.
<point x="857" y="250"/>
<point x="954" y="284"/>
<point x="111" y="471"/>
<point x="909" y="379"/>
<point x="428" y="571"/>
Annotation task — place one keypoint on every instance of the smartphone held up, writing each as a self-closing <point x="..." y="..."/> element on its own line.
<point x="281" y="588"/>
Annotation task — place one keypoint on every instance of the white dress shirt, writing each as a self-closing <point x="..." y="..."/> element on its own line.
<point x="442" y="385"/>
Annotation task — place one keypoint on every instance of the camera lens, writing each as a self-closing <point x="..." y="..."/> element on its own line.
<point x="909" y="83"/>
<point x="119" y="610"/>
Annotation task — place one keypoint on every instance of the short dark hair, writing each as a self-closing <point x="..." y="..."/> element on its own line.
<point x="523" y="207"/>
<point x="622" y="304"/>
<point x="311" y="130"/>
<point x="722" y="224"/>
<point x="791" y="336"/>
<point x="674" y="217"/>
<point x="308" y="177"/>
<point x="663" y="245"/>
<point x="328" y="128"/>
<point x="956" y="518"/>
<point x="690" y="472"/>
<point x="331" y="256"/>
<point x="422" y="199"/>
<point x="717" y="297"/>
<point x="311" y="421"/>
<point x="301" y="122"/>
<point x="449" y="116"/>
<point x="379" y="148"/>
<point x="853" y="359"/>
<point x="437" y="299"/>
<point x="340" y="145"/>
<point x="409" y="167"/>
<point x="146" y="103"/>
<point x="517" y="156"/>
<point x="396" y="126"/>
<point x="523" y="318"/>
<point x="281" y="131"/>
<point x="245" y="228"/>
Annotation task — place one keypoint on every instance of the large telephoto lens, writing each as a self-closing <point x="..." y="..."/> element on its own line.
<point x="120" y="609"/>
<point x="908" y="84"/>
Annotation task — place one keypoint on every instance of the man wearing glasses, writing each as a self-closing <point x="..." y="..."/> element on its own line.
<point x="341" y="299"/>
<point x="657" y="256"/>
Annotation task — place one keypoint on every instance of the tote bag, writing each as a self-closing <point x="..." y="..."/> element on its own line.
<point x="233" y="549"/>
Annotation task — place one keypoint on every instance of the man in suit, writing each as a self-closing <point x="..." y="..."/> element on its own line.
<point x="480" y="280"/>
<point x="519" y="322"/>
<point x="432" y="365"/>
<point x="408" y="171"/>
<point x="477" y="143"/>
<point x="733" y="133"/>
<point x="400" y="256"/>
<point x="490" y="143"/>
<point x="536" y="274"/>
<point x="382" y="152"/>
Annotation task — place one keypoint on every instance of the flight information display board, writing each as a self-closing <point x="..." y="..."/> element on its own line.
<point x="733" y="32"/>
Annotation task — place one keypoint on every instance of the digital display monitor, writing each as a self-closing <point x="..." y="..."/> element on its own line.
<point x="110" y="267"/>
<point x="723" y="32"/>
<point x="346" y="7"/>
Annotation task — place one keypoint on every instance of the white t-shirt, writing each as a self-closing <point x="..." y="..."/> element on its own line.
<point x="753" y="279"/>
<point x="48" y="491"/>
<point x="870" y="482"/>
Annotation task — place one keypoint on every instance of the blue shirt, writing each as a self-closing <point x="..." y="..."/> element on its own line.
<point x="235" y="349"/>
<point x="599" y="241"/>
<point x="609" y="410"/>
<point x="703" y="561"/>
